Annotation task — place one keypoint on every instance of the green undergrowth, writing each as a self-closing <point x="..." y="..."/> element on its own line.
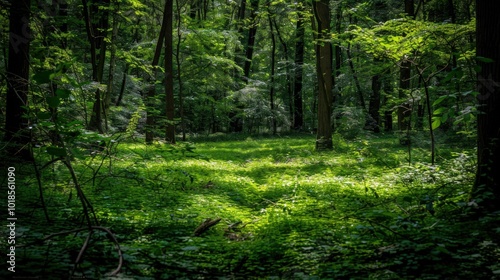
<point x="366" y="210"/>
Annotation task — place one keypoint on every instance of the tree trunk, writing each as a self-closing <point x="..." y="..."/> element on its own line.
<point x="361" y="99"/>
<point x="16" y="127"/>
<point x="486" y="190"/>
<point x="96" y="34"/>
<point x="169" y="73"/>
<point x="338" y="50"/>
<point x="298" y="111"/>
<point x="404" y="109"/>
<point x="250" y="39"/>
<point x="112" y="65"/>
<point x="388" y="89"/>
<point x="150" y="95"/>
<point x="273" y="66"/>
<point x="323" y="50"/>
<point x="287" y="71"/>
<point x="373" y="117"/>
<point x="179" y="77"/>
<point x="122" y="87"/>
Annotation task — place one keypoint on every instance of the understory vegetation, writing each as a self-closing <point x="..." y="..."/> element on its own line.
<point x="369" y="209"/>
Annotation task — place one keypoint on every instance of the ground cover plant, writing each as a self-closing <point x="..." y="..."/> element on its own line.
<point x="252" y="139"/>
<point x="362" y="211"/>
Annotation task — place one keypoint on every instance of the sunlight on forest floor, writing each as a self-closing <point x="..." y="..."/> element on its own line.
<point x="286" y="211"/>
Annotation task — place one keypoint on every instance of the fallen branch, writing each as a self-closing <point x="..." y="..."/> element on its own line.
<point x="205" y="225"/>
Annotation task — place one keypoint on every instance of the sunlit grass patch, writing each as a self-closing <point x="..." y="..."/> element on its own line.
<point x="286" y="210"/>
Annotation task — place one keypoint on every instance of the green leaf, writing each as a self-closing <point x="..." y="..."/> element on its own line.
<point x="63" y="93"/>
<point x="44" y="115"/>
<point x="436" y="123"/>
<point x="439" y="111"/>
<point x="190" y="248"/>
<point x="43" y="77"/>
<point x="56" y="151"/>
<point x="445" y="117"/>
<point x="53" y="101"/>
<point x="484" y="59"/>
<point x="439" y="100"/>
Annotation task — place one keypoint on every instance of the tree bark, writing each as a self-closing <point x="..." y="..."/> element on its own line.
<point x="16" y="127"/>
<point x="323" y="50"/>
<point x="486" y="190"/>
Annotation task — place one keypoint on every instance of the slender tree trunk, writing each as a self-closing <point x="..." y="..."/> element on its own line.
<point x="16" y="127"/>
<point x="96" y="33"/>
<point x="361" y="98"/>
<point x="359" y="92"/>
<point x="150" y="95"/>
<point x="338" y="50"/>
<point x="112" y="65"/>
<point x="323" y="49"/>
<point x="373" y="116"/>
<point x="179" y="77"/>
<point x="273" y="66"/>
<point x="419" y="121"/>
<point x="122" y="87"/>
<point x="404" y="109"/>
<point x="486" y="190"/>
<point x="388" y="89"/>
<point x="298" y="111"/>
<point x="240" y="16"/>
<point x="251" y="39"/>
<point x="289" y="91"/>
<point x="169" y="74"/>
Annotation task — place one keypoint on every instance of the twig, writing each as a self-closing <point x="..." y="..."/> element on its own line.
<point x="85" y="245"/>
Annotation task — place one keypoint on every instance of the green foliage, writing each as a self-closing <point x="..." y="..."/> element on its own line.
<point x="356" y="212"/>
<point x="349" y="121"/>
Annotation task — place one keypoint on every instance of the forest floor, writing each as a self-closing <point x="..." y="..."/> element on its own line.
<point x="369" y="209"/>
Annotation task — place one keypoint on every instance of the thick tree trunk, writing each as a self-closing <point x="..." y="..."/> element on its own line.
<point x="487" y="185"/>
<point x="298" y="112"/>
<point x="16" y="127"/>
<point x="323" y="49"/>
